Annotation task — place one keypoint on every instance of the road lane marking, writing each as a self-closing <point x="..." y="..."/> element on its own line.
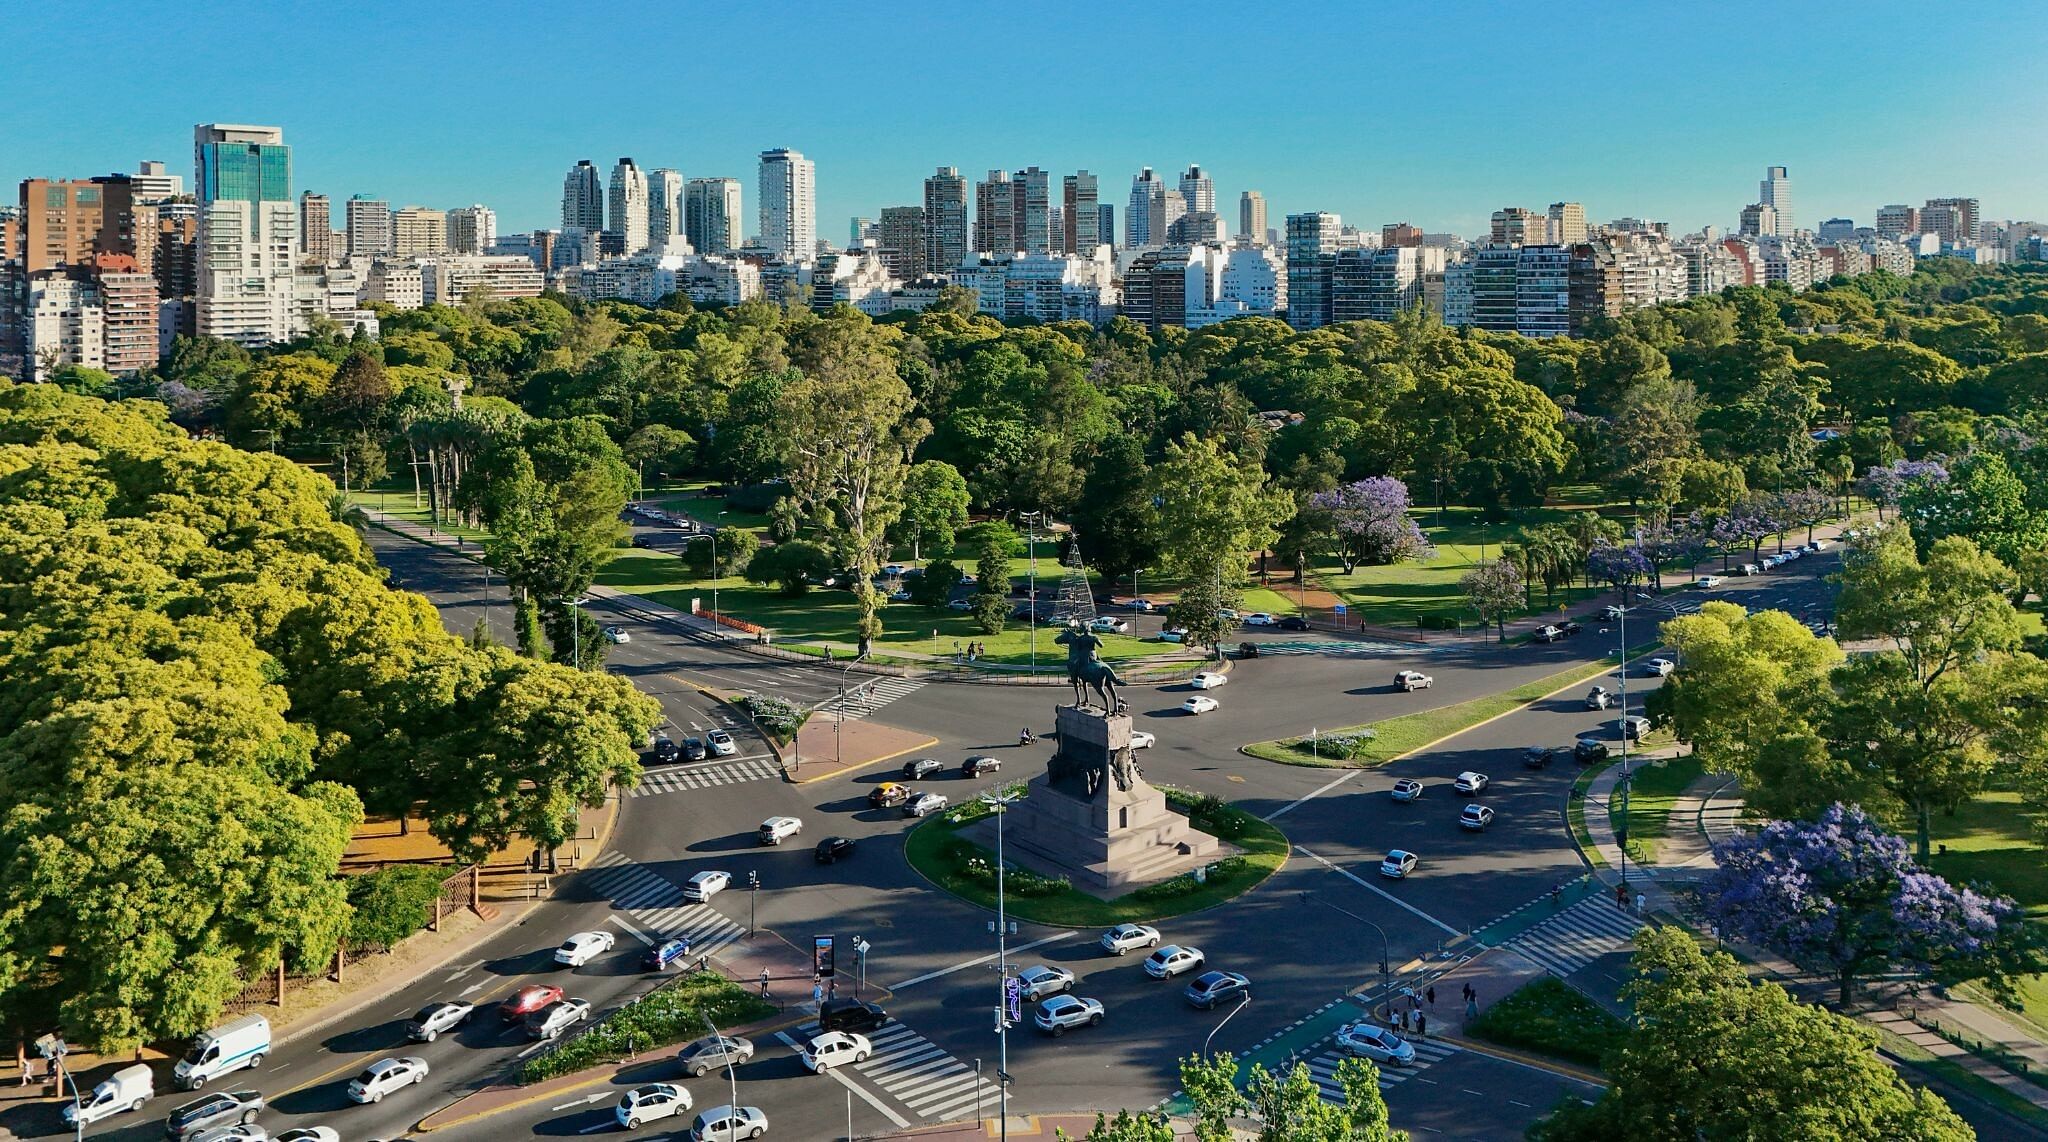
<point x="1289" y="807"/>
<point x="475" y="987"/>
<point x="1369" y="886"/>
<point x="463" y="971"/>
<point x="931" y="975"/>
<point x="588" y="1098"/>
<point x="833" y="1073"/>
<point x="633" y="932"/>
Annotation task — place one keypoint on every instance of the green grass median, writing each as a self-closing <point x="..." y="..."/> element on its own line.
<point x="673" y="1013"/>
<point x="1546" y="1016"/>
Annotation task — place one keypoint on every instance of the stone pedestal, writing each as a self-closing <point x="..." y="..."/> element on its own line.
<point x="1107" y="843"/>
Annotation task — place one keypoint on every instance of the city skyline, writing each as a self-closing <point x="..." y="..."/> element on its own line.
<point x="1854" y="135"/>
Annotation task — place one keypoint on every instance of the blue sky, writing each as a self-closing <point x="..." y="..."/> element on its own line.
<point x="1435" y="113"/>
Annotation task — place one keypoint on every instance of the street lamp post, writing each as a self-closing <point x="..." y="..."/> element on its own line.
<point x="1031" y="581"/>
<point x="1000" y="803"/>
<point x="1386" y="949"/>
<point x="573" y="606"/>
<point x="735" y="1079"/>
<point x="1242" y="1000"/>
<point x="714" y="570"/>
<point x="1621" y="835"/>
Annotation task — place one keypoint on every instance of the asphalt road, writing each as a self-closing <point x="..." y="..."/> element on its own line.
<point x="928" y="948"/>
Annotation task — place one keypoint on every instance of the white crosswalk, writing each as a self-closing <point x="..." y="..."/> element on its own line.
<point x="1577" y="936"/>
<point x="875" y="696"/>
<point x="916" y="1072"/>
<point x="657" y="908"/>
<point x="672" y="779"/>
<point x="1323" y="1067"/>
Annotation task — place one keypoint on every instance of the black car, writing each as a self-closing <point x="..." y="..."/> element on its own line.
<point x="918" y="768"/>
<point x="694" y="750"/>
<point x="1586" y="751"/>
<point x="1247" y="650"/>
<point x="221" y="1108"/>
<point x="1293" y="622"/>
<point x="643" y="541"/>
<point x="665" y="748"/>
<point x="1539" y="756"/>
<point x="976" y="766"/>
<point x="833" y="849"/>
<point x="850" y="1015"/>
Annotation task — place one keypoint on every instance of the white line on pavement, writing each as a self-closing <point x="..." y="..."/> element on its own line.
<point x="1318" y="793"/>
<point x="931" y="975"/>
<point x="634" y="932"/>
<point x="473" y="987"/>
<point x="1369" y="886"/>
<point x="598" y="1097"/>
<point x="849" y="1084"/>
<point x="597" y="1126"/>
<point x="463" y="971"/>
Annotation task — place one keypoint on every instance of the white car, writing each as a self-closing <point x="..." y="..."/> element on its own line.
<point x="1173" y="634"/>
<point x="617" y="635"/>
<point x="1142" y="606"/>
<point x="1376" y="1043"/>
<point x="1398" y="864"/>
<point x="1476" y="818"/>
<point x="1110" y="624"/>
<point x="1260" y="619"/>
<point x="1711" y="581"/>
<point x="239" y="1132"/>
<point x="705" y="885"/>
<point x="1060" y="1012"/>
<point x="776" y="830"/>
<point x="386" y="1075"/>
<point x="960" y="604"/>
<point x="728" y="1124"/>
<point x="1412" y="680"/>
<point x="1470" y="782"/>
<point x="1143" y="739"/>
<point x="1040" y="980"/>
<point x="1198" y="704"/>
<point x="1208" y="680"/>
<point x="583" y="947"/>
<point x="1659" y="667"/>
<point x="1748" y="569"/>
<point x="428" y="1023"/>
<point x="1172" y="960"/>
<point x="1634" y="727"/>
<point x="924" y="804"/>
<point x="309" y="1134"/>
<point x="1407" y="789"/>
<point x="721" y="743"/>
<point x="1125" y="937"/>
<point x="647" y="1103"/>
<point x="834" y="1048"/>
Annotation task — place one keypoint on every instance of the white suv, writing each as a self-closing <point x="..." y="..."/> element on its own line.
<point x="1063" y="1011"/>
<point x="776" y="830"/>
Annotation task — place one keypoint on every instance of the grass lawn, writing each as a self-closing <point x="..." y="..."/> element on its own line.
<point x="1990" y="840"/>
<point x="1546" y="1016"/>
<point x="1395" y="737"/>
<point x="398" y="504"/>
<point x="1265" y="850"/>
<point x="1654" y="790"/>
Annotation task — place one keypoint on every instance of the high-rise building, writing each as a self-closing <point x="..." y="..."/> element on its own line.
<point x="1312" y="241"/>
<point x="711" y="215"/>
<point x="316" y="229"/>
<point x="859" y="229"/>
<point x="1165" y="209"/>
<point x="900" y="238"/>
<point x="1197" y="227"/>
<point x="664" y="207"/>
<point x="1251" y="217"/>
<point x="248" y="234"/>
<point x="995" y="206"/>
<point x="1775" y="191"/>
<point x="155" y="183"/>
<point x="1954" y="220"/>
<point x="73" y="222"/>
<point x="1105" y="222"/>
<point x="1138" y="214"/>
<point x="419" y="232"/>
<point x="472" y="229"/>
<point x="1080" y="220"/>
<point x="1543" y="291"/>
<point x="1400" y="234"/>
<point x="369" y="227"/>
<point x="945" y="220"/>
<point x="627" y="218"/>
<point x="1031" y="214"/>
<point x="1567" y="223"/>
<point x="1519" y="226"/>
<point x="1895" y="222"/>
<point x="1198" y="190"/>
<point x="1760" y="220"/>
<point x="1836" y="229"/>
<point x="789" y="205"/>
<point x="583" y="198"/>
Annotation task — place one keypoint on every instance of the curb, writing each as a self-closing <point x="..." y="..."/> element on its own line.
<point x="1536" y="1062"/>
<point x="845" y="770"/>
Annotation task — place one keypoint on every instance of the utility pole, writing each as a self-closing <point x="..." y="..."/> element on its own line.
<point x="1621" y="834"/>
<point x="1031" y="582"/>
<point x="753" y="893"/>
<point x="1386" y="949"/>
<point x="1000" y="803"/>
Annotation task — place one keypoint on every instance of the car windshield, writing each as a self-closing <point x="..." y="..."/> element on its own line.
<point x="197" y="1054"/>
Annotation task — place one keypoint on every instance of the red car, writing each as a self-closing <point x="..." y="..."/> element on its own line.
<point x="528" y="1000"/>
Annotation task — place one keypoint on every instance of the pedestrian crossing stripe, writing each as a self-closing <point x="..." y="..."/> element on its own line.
<point x="921" y="1075"/>
<point x="1577" y="936"/>
<point x="874" y="696"/>
<point x="1428" y="1052"/>
<point x="1355" y="648"/>
<point x="657" y="906"/>
<point x="677" y="778"/>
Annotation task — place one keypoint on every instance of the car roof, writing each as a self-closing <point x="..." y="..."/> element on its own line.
<point x="1395" y="854"/>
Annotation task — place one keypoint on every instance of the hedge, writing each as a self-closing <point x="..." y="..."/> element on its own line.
<point x="392" y="903"/>
<point x="673" y="1013"/>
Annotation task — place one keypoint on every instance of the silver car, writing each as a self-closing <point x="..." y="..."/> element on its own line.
<point x="1060" y="1012"/>
<point x="714" y="1053"/>
<point x="1040" y="980"/>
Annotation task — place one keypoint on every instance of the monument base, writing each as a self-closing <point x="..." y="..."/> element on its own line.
<point x="1106" y="844"/>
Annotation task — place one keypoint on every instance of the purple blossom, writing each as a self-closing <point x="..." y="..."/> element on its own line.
<point x="1888" y="485"/>
<point x="1372" y="523"/>
<point x="1841" y="895"/>
<point x="1620" y="566"/>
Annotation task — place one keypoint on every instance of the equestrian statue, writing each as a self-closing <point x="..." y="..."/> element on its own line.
<point x="1085" y="669"/>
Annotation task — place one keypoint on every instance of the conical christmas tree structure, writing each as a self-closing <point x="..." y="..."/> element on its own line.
<point x="1076" y="602"/>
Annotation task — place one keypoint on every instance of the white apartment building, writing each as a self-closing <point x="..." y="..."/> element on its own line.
<point x="451" y="280"/>
<point x="789" y="204"/>
<point x="1255" y="277"/>
<point x="1056" y="287"/>
<point x="472" y="229"/>
<point x="628" y="217"/>
<point x="417" y="232"/>
<point x="1709" y="268"/>
<point x="859" y="278"/>
<point x="369" y="227"/>
<point x="400" y="285"/>
<point x="721" y="281"/>
<point x="246" y="257"/>
<point x="65" y="324"/>
<point x="664" y="208"/>
<point x="711" y="215"/>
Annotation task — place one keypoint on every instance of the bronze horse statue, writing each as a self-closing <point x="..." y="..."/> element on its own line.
<point x="1084" y="669"/>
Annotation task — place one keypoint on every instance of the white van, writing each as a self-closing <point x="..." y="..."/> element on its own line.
<point x="125" y="1089"/>
<point x="229" y="1047"/>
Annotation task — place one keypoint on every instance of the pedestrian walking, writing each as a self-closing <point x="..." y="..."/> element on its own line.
<point x="21" y="1060"/>
<point x="1642" y="903"/>
<point x="1431" y="994"/>
<point x="1621" y="896"/>
<point x="1421" y="1025"/>
<point x="1471" y="1007"/>
<point x="1468" y="993"/>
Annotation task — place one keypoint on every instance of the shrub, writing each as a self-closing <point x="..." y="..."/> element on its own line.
<point x="669" y="1014"/>
<point x="392" y="903"/>
<point x="759" y="499"/>
<point x="1437" y="622"/>
<point x="1548" y="1017"/>
<point x="1346" y="745"/>
<point x="775" y="715"/>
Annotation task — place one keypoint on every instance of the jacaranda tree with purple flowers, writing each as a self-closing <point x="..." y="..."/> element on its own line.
<point x="1617" y="566"/>
<point x="1841" y="895"/>
<point x="1371" y="523"/>
<point x="1886" y="486"/>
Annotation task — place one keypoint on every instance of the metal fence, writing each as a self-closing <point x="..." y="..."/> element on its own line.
<point x="459" y="890"/>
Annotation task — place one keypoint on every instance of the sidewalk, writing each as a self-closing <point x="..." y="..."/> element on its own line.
<point x="827" y="747"/>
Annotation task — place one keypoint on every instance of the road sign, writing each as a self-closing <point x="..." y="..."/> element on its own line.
<point x="1339" y="608"/>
